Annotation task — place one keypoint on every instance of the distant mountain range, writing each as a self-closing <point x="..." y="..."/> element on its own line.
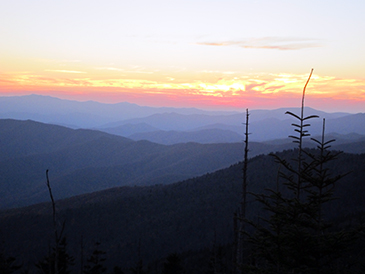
<point x="173" y="125"/>
<point x="76" y="114"/>
<point x="83" y="160"/>
<point x="160" y="145"/>
<point x="177" y="128"/>
<point x="204" y="136"/>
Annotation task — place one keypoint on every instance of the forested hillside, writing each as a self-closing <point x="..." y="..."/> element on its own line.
<point x="149" y="223"/>
<point x="83" y="161"/>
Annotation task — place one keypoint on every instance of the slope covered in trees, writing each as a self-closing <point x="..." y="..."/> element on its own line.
<point x="83" y="161"/>
<point x="159" y="220"/>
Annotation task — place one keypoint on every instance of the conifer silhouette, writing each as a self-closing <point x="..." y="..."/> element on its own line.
<point x="95" y="263"/>
<point x="296" y="237"/>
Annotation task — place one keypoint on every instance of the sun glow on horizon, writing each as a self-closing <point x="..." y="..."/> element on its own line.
<point x="223" y="89"/>
<point x="166" y="53"/>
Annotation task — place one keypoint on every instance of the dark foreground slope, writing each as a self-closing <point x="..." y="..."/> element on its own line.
<point x="158" y="220"/>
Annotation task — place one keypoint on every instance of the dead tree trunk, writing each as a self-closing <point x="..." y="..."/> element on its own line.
<point x="239" y="238"/>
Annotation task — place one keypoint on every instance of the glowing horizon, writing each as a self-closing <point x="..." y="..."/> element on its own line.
<point x="160" y="58"/>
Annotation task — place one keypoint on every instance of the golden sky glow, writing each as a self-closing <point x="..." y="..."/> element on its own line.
<point x="209" y="54"/>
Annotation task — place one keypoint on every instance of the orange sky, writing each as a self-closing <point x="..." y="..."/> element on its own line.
<point x="206" y="54"/>
<point x="205" y="89"/>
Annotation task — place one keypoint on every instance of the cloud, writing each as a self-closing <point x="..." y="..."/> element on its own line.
<point x="110" y="68"/>
<point x="64" y="71"/>
<point x="134" y="69"/>
<point x="279" y="43"/>
<point x="218" y="72"/>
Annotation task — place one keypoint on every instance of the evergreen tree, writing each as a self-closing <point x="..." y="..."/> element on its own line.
<point x="138" y="269"/>
<point x="64" y="260"/>
<point x="295" y="237"/>
<point x="217" y="264"/>
<point x="94" y="264"/>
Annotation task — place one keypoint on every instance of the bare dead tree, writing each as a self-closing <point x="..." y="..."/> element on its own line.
<point x="240" y="236"/>
<point x="57" y="234"/>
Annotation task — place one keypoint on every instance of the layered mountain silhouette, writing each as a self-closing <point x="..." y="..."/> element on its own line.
<point x="148" y="182"/>
<point x="171" y="125"/>
<point x="169" y="128"/>
<point x="77" y="114"/>
<point x="83" y="161"/>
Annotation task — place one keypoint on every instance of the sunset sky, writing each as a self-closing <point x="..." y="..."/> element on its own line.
<point x="211" y="54"/>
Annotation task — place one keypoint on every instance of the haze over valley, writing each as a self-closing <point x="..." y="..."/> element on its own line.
<point x="146" y="173"/>
<point x="113" y="145"/>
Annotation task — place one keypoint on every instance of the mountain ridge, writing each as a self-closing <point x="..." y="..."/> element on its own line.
<point x="29" y="148"/>
<point x="76" y="114"/>
<point x="87" y="160"/>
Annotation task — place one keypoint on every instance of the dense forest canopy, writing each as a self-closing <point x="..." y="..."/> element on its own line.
<point x="186" y="216"/>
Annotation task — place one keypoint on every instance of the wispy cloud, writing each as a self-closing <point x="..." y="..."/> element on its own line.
<point x="279" y="43"/>
<point x="64" y="71"/>
<point x="134" y="69"/>
<point x="218" y="72"/>
<point x="110" y="68"/>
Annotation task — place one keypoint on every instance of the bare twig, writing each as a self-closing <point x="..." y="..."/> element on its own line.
<point x="57" y="237"/>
